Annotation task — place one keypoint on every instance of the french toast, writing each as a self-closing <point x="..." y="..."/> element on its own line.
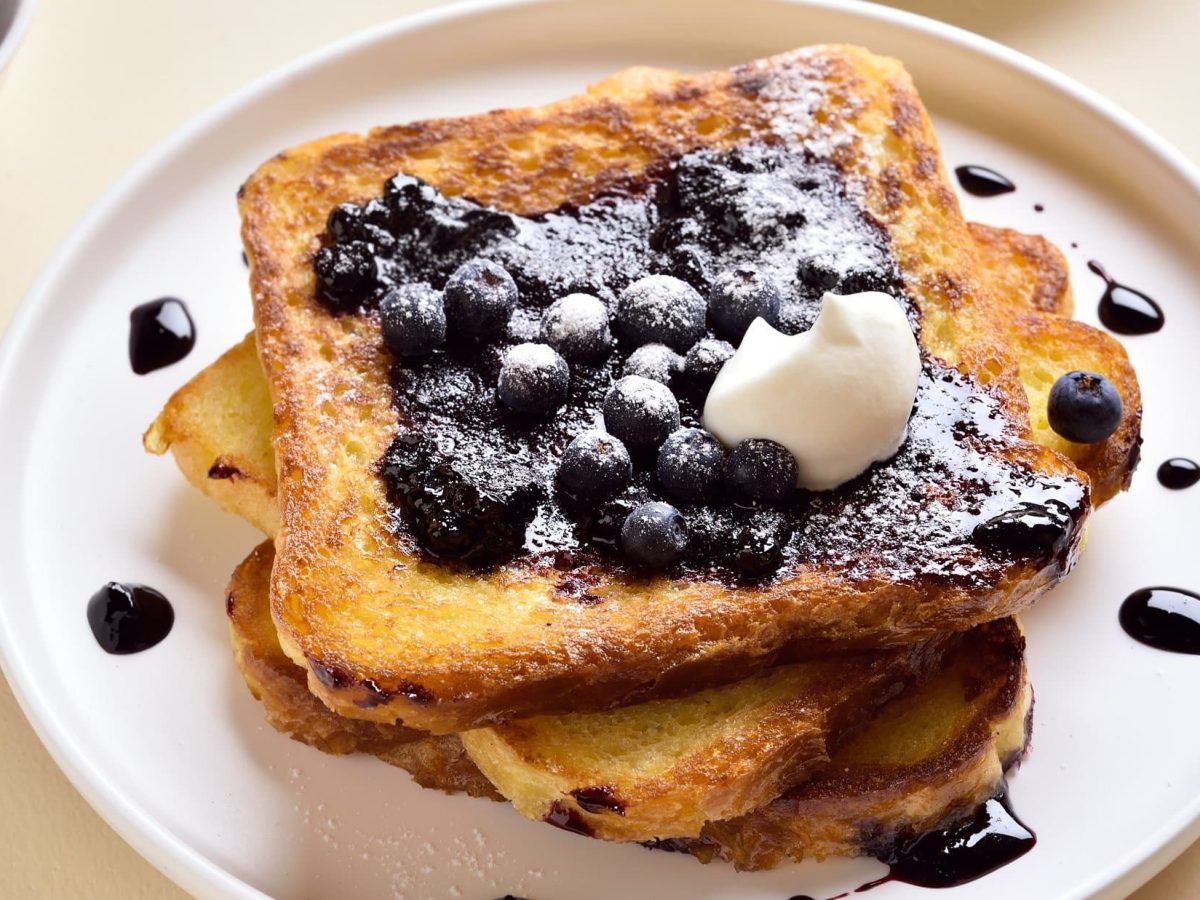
<point x="930" y="754"/>
<point x="891" y="558"/>
<point x="535" y="779"/>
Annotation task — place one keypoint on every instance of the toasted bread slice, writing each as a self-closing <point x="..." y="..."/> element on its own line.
<point x="665" y="767"/>
<point x="218" y="428"/>
<point x="480" y="647"/>
<point x="928" y="755"/>
<point x="931" y="755"/>
<point x="433" y="761"/>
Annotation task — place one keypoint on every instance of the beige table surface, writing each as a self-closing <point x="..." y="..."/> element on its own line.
<point x="96" y="84"/>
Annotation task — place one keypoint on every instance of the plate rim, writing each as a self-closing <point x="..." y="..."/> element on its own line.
<point x="153" y="840"/>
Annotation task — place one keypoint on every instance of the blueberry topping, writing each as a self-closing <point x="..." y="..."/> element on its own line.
<point x="1028" y="530"/>
<point x="640" y="412"/>
<point x="759" y="542"/>
<point x="346" y="273"/>
<point x="705" y="359"/>
<point x="654" y="535"/>
<point x="533" y="379"/>
<point x="690" y="464"/>
<point x="1084" y="407"/>
<point x="739" y="296"/>
<point x="817" y="276"/>
<point x="408" y="199"/>
<point x="661" y="309"/>
<point x="595" y="466"/>
<point x="412" y="320"/>
<point x="460" y="514"/>
<point x="480" y="298"/>
<point x="346" y="222"/>
<point x="760" y="472"/>
<point x="658" y="362"/>
<point x="577" y="327"/>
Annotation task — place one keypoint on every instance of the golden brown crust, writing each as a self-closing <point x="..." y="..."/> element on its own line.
<point x="933" y="754"/>
<point x="436" y="762"/>
<point x="515" y="648"/>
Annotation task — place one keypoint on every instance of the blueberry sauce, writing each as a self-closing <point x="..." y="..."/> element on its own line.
<point x="1125" y="310"/>
<point x="1179" y="473"/>
<point x="950" y="856"/>
<point x="568" y="819"/>
<point x="1165" y="618"/>
<point x="161" y="332"/>
<point x="983" y="182"/>
<point x="471" y="482"/>
<point x="129" y="618"/>
<point x="598" y="799"/>
<point x="1038" y="207"/>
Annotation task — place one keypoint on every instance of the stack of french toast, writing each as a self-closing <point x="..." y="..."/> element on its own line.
<point x="833" y="672"/>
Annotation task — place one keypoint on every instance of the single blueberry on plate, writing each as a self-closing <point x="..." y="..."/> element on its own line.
<point x="658" y="362"/>
<point x="704" y="361"/>
<point x="533" y="379"/>
<point x="412" y="320"/>
<point x="760" y="472"/>
<point x="577" y="327"/>
<point x="1084" y="407"/>
<point x="661" y="309"/>
<point x="654" y="535"/>
<point x="346" y="273"/>
<point x="690" y="464"/>
<point x="480" y="298"/>
<point x="595" y="466"/>
<point x="739" y="296"/>
<point x="640" y="412"/>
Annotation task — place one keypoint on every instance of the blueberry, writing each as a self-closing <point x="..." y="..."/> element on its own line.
<point x="480" y="298"/>
<point x="595" y="466"/>
<point x="759" y="543"/>
<point x="654" y="535"/>
<point x="345" y="222"/>
<point x="1084" y="407"/>
<point x="346" y="273"/>
<point x="817" y="276"/>
<point x="412" y="320"/>
<point x="377" y="215"/>
<point x="640" y="412"/>
<point x="657" y="362"/>
<point x="408" y="200"/>
<point x="577" y="327"/>
<point x="859" y="280"/>
<point x="704" y="361"/>
<point x="687" y="262"/>
<point x="690" y="463"/>
<point x="533" y="379"/>
<point x="739" y="296"/>
<point x="661" y="309"/>
<point x="759" y="471"/>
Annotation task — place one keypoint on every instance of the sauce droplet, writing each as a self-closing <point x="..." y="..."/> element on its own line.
<point x="983" y="182"/>
<point x="1125" y="310"/>
<point x="1164" y="618"/>
<point x="129" y="618"/>
<point x="1178" y="473"/>
<point x="161" y="332"/>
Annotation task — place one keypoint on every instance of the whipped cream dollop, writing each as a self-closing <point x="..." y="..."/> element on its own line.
<point x="837" y="396"/>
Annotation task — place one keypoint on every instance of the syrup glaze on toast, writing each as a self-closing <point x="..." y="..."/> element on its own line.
<point x="518" y="647"/>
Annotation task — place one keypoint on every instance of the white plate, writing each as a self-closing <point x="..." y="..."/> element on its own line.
<point x="168" y="745"/>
